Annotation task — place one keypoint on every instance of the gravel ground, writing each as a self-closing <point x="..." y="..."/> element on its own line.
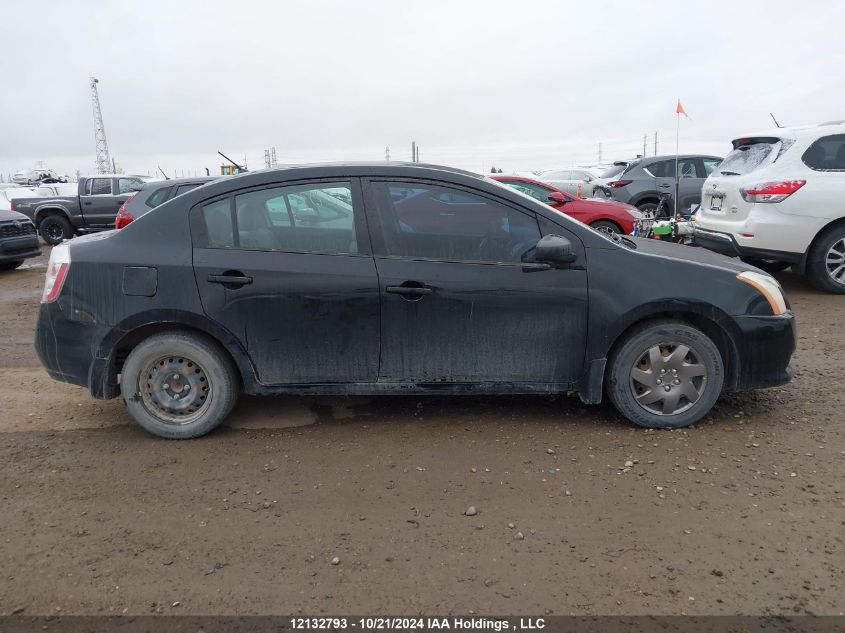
<point x="360" y="505"/>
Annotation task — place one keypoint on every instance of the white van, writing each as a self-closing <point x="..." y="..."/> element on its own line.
<point x="778" y="200"/>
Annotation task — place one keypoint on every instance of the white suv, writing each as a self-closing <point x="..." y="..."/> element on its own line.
<point x="778" y="200"/>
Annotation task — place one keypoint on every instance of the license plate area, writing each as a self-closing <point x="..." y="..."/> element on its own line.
<point x="716" y="202"/>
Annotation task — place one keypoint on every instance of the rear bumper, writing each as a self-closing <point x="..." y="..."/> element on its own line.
<point x="765" y="345"/>
<point x="16" y="248"/>
<point x="726" y="244"/>
<point x="66" y="349"/>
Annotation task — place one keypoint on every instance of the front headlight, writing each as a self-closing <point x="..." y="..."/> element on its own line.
<point x="768" y="287"/>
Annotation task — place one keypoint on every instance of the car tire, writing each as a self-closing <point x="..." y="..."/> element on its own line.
<point x="826" y="261"/>
<point x="648" y="208"/>
<point x="649" y="357"/>
<point x="606" y="226"/>
<point x="55" y="229"/>
<point x="769" y="265"/>
<point x="11" y="265"/>
<point x="179" y="385"/>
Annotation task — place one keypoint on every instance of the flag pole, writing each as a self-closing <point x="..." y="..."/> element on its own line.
<point x="677" y="146"/>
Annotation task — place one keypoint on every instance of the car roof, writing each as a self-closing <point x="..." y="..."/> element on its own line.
<point x="155" y="184"/>
<point x="796" y="131"/>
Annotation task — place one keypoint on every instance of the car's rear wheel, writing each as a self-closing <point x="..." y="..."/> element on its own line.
<point x="606" y="226"/>
<point x="11" y="265"/>
<point x="665" y="375"/>
<point x="648" y="208"/>
<point x="769" y="265"/>
<point x="54" y="229"/>
<point x="826" y="262"/>
<point x="178" y="385"/>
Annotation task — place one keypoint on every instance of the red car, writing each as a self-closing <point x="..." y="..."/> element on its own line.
<point x="601" y="214"/>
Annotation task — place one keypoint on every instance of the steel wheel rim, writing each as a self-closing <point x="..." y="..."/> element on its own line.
<point x="175" y="389"/>
<point x="668" y="379"/>
<point x="835" y="261"/>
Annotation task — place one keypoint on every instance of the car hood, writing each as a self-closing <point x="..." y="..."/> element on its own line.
<point x="698" y="255"/>
<point x="6" y="216"/>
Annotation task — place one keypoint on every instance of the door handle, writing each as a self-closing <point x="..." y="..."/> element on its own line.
<point x="409" y="291"/>
<point x="88" y="203"/>
<point x="234" y="280"/>
<point x="664" y="186"/>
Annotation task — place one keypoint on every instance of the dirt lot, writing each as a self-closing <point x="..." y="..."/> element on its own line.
<point x="743" y="513"/>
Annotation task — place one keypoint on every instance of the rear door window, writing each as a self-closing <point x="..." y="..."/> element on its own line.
<point x="99" y="187"/>
<point x="826" y="154"/>
<point x="312" y="218"/>
<point x="129" y="185"/>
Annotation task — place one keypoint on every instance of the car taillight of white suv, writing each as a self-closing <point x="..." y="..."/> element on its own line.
<point x="777" y="201"/>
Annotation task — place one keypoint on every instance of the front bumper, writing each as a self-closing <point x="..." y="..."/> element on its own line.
<point x="764" y="346"/>
<point x="17" y="248"/>
<point x="726" y="244"/>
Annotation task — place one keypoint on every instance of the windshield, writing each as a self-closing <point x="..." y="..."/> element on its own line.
<point x="748" y="155"/>
<point x="613" y="171"/>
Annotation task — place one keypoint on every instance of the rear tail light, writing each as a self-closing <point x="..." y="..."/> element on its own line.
<point x="123" y="217"/>
<point x="773" y="191"/>
<point x="619" y="183"/>
<point x="57" y="271"/>
<point x="13" y="207"/>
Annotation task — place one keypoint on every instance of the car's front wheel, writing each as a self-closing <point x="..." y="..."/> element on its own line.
<point x="178" y="385"/>
<point x="665" y="375"/>
<point x="11" y="265"/>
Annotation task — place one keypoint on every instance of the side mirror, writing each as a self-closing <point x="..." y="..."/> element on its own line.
<point x="556" y="197"/>
<point x="555" y="250"/>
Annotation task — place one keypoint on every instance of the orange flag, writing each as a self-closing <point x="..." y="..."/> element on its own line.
<point x="680" y="109"/>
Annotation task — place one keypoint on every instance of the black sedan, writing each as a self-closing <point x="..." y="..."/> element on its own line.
<point x="389" y="278"/>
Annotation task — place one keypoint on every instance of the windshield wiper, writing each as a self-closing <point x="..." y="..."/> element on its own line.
<point x="730" y="173"/>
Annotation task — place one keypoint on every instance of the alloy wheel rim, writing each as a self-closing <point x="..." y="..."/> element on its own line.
<point x="835" y="261"/>
<point x="668" y="379"/>
<point x="175" y="389"/>
<point x="55" y="232"/>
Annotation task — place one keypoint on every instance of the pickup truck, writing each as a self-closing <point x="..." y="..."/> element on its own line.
<point x="93" y="208"/>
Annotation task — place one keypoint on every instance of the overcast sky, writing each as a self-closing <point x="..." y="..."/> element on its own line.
<point x="520" y="85"/>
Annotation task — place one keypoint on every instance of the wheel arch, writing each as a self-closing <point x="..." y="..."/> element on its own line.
<point x="716" y="324"/>
<point x="114" y="348"/>
<point x="651" y="197"/>
<point x="43" y="212"/>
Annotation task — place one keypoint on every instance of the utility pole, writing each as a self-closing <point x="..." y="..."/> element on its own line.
<point x="274" y="161"/>
<point x="645" y="140"/>
<point x="267" y="159"/>
<point x="655" y="142"/>
<point x="599" y="152"/>
<point x="413" y="151"/>
<point x="387" y="154"/>
<point x="102" y="161"/>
